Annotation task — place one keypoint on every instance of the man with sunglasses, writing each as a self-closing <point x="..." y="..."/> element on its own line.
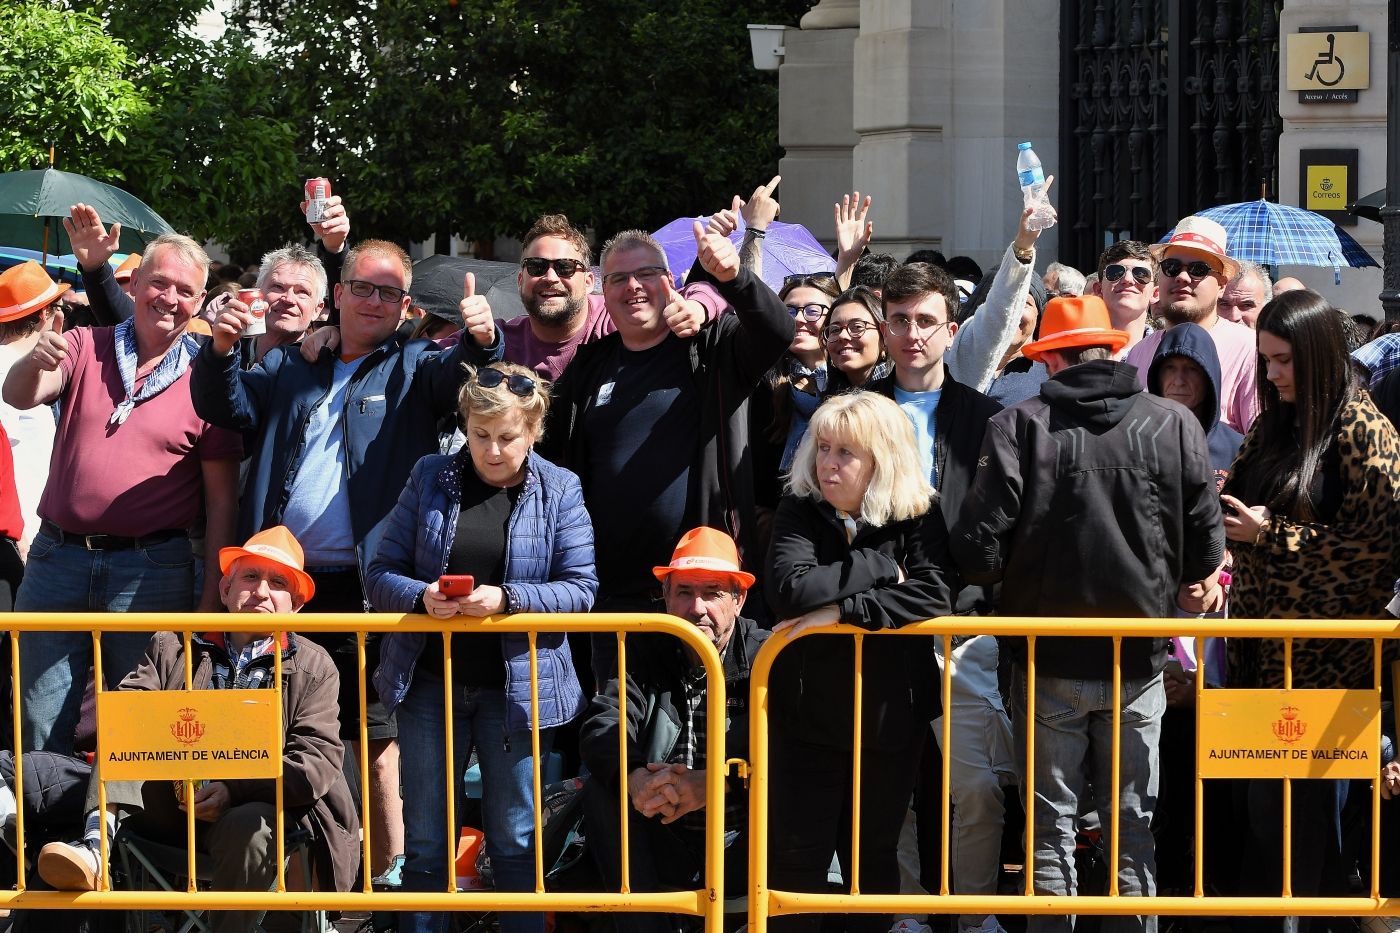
<point x="333" y="442"/>
<point x="1192" y="269"/>
<point x="655" y="424"/>
<point x="561" y="311"/>
<point x="1128" y="286"/>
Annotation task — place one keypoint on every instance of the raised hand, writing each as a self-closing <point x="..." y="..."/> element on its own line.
<point x="683" y="316"/>
<point x="762" y="208"/>
<point x="1026" y="237"/>
<point x="51" y="350"/>
<point x="716" y="254"/>
<point x="92" y="243"/>
<point x="853" y="231"/>
<point x="476" y="313"/>
<point x="228" y="326"/>
<point x="726" y="221"/>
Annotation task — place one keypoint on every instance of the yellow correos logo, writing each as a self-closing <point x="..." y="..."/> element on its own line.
<point x="1326" y="188"/>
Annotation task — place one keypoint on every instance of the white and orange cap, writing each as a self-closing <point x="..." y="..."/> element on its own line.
<point x="279" y="546"/>
<point x="708" y="550"/>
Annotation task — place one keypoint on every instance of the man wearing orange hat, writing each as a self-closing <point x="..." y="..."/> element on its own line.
<point x="1092" y="473"/>
<point x="667" y="727"/>
<point x="28" y="298"/>
<point x="235" y="819"/>
<point x="125" y="272"/>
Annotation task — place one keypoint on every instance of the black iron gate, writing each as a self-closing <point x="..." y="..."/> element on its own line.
<point x="1167" y="107"/>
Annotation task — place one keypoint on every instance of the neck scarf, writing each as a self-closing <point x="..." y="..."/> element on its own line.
<point x="171" y="367"/>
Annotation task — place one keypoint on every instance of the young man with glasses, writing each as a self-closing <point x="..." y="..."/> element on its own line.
<point x="334" y="441"/>
<point x="1193" y="267"/>
<point x="561" y="311"/>
<point x="949" y="421"/>
<point x="656" y="424"/>
<point x="1127" y="284"/>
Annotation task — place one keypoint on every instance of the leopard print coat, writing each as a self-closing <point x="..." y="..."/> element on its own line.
<point x="1343" y="570"/>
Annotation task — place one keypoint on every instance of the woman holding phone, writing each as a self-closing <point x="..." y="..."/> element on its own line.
<point x="490" y="530"/>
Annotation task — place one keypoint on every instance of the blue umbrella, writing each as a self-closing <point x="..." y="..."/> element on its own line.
<point x="788" y="249"/>
<point x="1281" y="235"/>
<point x="62" y="268"/>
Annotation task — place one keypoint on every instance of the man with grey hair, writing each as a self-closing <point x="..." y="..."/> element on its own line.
<point x="1245" y="295"/>
<point x="655" y="424"/>
<point x="1062" y="281"/>
<point x="293" y="282"/>
<point x="117" y="539"/>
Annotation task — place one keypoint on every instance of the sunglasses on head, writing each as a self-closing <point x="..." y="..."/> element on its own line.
<point x="1196" y="268"/>
<point x="564" y="268"/>
<point x="489" y="378"/>
<point x="1141" y="274"/>
<point x="803" y="279"/>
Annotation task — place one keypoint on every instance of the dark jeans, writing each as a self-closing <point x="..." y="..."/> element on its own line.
<point x="664" y="858"/>
<point x="810" y="818"/>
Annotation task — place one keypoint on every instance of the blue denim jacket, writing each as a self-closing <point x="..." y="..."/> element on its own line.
<point x="549" y="568"/>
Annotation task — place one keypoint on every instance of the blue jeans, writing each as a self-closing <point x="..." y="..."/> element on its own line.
<point x="1074" y="740"/>
<point x="479" y="720"/>
<point x="69" y="578"/>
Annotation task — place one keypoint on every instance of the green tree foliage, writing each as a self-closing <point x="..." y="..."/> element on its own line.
<point x="63" y="83"/>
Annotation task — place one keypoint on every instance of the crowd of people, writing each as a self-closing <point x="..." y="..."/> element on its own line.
<point x="1173" y="435"/>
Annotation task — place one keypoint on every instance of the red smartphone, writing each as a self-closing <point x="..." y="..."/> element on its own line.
<point x="456" y="584"/>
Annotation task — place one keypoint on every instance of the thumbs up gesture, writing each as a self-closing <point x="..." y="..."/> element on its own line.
<point x="716" y="254"/>
<point x="51" y="350"/>
<point x="683" y="316"/>
<point x="476" y="313"/>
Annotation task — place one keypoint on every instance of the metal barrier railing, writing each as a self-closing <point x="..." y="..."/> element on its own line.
<point x="706" y="902"/>
<point x="765" y="902"/>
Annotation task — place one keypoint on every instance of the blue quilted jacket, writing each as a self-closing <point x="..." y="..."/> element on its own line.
<point x="549" y="568"/>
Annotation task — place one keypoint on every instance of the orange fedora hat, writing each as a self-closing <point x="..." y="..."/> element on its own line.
<point x="1075" y="322"/>
<point x="279" y="546"/>
<point x="709" y="550"/>
<point x="25" y="288"/>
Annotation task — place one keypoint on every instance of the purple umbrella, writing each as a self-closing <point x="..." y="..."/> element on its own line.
<point x="788" y="249"/>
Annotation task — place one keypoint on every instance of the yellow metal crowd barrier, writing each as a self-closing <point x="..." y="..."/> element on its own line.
<point x="706" y="902"/>
<point x="765" y="903"/>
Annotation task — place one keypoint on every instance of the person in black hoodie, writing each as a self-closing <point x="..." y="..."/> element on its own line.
<point x="1186" y="369"/>
<point x="1092" y="475"/>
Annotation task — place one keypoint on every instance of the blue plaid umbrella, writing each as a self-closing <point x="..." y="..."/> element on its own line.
<point x="1280" y="235"/>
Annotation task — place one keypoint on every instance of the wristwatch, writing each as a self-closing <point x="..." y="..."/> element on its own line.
<point x="1023" y="256"/>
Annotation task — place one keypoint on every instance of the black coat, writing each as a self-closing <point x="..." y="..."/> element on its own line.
<point x="811" y="565"/>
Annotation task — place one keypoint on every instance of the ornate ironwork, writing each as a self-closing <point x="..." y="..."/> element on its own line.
<point x="1168" y="106"/>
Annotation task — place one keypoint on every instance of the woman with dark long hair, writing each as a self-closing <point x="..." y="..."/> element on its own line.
<point x="855" y="346"/>
<point x="1310" y="510"/>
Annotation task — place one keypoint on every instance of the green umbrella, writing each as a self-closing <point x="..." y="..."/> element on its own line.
<point x="31" y="202"/>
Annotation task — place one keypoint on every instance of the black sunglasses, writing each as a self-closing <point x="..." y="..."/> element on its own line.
<point x="564" y="268"/>
<point x="1141" y="274"/>
<point x="489" y="378"/>
<point x="1196" y="268"/>
<point x="801" y="279"/>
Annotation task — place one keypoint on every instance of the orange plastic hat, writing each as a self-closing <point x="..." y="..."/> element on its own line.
<point x="26" y="288"/>
<point x="709" y="550"/>
<point x="129" y="265"/>
<point x="279" y="546"/>
<point x="1075" y="322"/>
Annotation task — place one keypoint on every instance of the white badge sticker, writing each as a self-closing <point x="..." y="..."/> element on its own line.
<point x="605" y="393"/>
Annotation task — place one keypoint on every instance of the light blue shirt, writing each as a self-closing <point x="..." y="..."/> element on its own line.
<point x="922" y="410"/>
<point x="318" y="507"/>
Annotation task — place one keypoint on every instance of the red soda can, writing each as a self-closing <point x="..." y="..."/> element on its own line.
<point x="317" y="191"/>
<point x="257" y="304"/>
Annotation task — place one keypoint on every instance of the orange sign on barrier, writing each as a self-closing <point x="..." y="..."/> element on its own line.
<point x="207" y="734"/>
<point x="1289" y="733"/>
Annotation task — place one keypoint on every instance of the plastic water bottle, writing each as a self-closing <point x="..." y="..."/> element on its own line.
<point x="1032" y="179"/>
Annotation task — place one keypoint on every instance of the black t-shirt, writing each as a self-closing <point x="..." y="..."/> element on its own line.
<point x="479" y="549"/>
<point x="642" y="427"/>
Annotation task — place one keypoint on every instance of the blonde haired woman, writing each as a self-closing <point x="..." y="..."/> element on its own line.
<point x="858" y="540"/>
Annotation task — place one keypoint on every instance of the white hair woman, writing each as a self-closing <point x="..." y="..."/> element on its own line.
<point x="857" y="540"/>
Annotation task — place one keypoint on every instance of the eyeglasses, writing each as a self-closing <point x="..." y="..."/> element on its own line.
<point x="809" y="312"/>
<point x="362" y="289"/>
<point x="489" y="378"/>
<point x="801" y="279"/>
<point x="1196" y="268"/>
<point x="899" y="324"/>
<point x="646" y="275"/>
<point x="856" y="330"/>
<point x="564" y="268"/>
<point x="1141" y="274"/>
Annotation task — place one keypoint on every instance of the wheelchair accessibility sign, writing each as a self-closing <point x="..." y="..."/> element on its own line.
<point x="198" y="734"/>
<point x="1328" y="64"/>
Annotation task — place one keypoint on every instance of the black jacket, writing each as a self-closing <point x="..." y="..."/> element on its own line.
<point x="811" y="565"/>
<point x="656" y="665"/>
<point x="1096" y="499"/>
<point x="728" y="359"/>
<point x="960" y="424"/>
